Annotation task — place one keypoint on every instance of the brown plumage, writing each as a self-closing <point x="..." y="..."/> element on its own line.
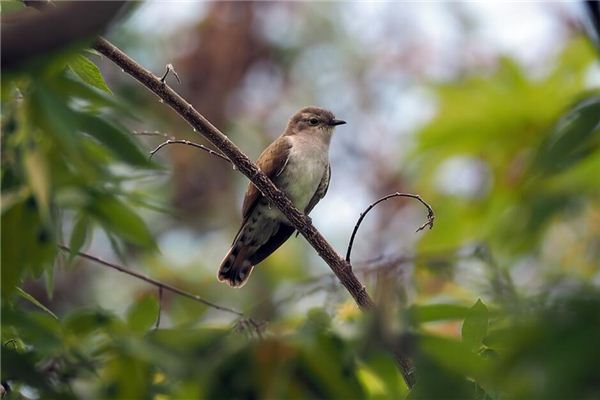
<point x="298" y="163"/>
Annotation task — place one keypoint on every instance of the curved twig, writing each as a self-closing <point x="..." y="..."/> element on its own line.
<point x="188" y="143"/>
<point x="430" y="216"/>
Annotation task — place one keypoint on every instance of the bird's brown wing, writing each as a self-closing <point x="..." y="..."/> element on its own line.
<point x="271" y="162"/>
<point x="320" y="192"/>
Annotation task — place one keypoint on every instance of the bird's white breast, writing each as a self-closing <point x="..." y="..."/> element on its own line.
<point x="306" y="165"/>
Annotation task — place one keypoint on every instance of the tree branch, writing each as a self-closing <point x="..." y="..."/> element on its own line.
<point x="241" y="323"/>
<point x="188" y="143"/>
<point x="29" y="34"/>
<point x="298" y="220"/>
<point x="154" y="282"/>
<point x="430" y="216"/>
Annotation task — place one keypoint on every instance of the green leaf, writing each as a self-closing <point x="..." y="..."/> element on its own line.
<point x="437" y="312"/>
<point x="317" y="320"/>
<point x="475" y="326"/>
<point x="119" y="219"/>
<point x="143" y="313"/>
<point x="88" y="72"/>
<point x="75" y="88"/>
<point x="84" y="322"/>
<point x="27" y="245"/>
<point x="48" y="111"/>
<point x="382" y="366"/>
<point x="34" y="301"/>
<point x="574" y="137"/>
<point x="81" y="230"/>
<point x="36" y="169"/>
<point x="454" y="355"/>
<point x="116" y="138"/>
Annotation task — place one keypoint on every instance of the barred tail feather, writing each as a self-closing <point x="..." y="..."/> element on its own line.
<point x="235" y="268"/>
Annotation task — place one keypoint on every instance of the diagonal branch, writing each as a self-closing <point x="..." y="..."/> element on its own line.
<point x="298" y="220"/>
<point x="154" y="282"/>
<point x="242" y="323"/>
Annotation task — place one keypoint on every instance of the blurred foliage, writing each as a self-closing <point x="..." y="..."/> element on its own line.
<point x="61" y="146"/>
<point x="531" y="164"/>
<point x="530" y="150"/>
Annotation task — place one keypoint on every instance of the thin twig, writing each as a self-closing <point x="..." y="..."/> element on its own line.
<point x="150" y="133"/>
<point x="430" y="216"/>
<point x="169" y="68"/>
<point x="244" y="324"/>
<point x="154" y="282"/>
<point x="188" y="143"/>
<point x="160" y="299"/>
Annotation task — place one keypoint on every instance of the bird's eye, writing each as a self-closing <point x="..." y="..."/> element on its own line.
<point x="313" y="121"/>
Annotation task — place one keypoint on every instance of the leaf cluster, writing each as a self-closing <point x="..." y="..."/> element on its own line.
<point x="64" y="157"/>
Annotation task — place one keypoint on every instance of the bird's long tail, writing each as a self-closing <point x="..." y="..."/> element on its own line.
<point x="236" y="268"/>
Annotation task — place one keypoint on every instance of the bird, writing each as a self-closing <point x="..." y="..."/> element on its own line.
<point x="298" y="164"/>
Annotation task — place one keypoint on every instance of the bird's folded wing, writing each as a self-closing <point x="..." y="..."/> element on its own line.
<point x="321" y="190"/>
<point x="271" y="162"/>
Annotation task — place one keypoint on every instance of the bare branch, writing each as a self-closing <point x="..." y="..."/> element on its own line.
<point x="188" y="143"/>
<point x="29" y="34"/>
<point x="298" y="220"/>
<point x="430" y="216"/>
<point x="177" y="141"/>
<point x="170" y="68"/>
<point x="154" y="282"/>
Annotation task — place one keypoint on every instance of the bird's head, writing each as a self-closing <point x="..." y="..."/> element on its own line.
<point x="313" y="121"/>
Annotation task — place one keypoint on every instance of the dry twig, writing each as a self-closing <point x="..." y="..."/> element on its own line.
<point x="188" y="143"/>
<point x="150" y="133"/>
<point x="152" y="281"/>
<point x="257" y="326"/>
<point x="430" y="216"/>
<point x="169" y="68"/>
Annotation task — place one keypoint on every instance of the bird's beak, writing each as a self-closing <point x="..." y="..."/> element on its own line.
<point x="337" y="122"/>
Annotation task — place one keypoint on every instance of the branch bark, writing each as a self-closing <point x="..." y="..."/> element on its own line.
<point x="341" y="268"/>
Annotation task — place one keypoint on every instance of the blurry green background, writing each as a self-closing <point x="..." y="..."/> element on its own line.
<point x="490" y="112"/>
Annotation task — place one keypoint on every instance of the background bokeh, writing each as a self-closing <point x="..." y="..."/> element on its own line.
<point x="490" y="112"/>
